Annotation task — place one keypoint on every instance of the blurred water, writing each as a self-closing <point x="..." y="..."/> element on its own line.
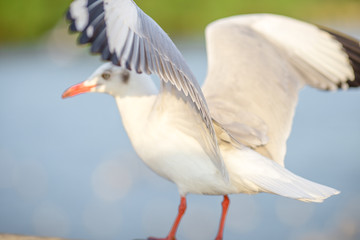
<point x="67" y="168"/>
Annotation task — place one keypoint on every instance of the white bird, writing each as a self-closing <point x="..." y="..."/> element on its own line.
<point x="230" y="136"/>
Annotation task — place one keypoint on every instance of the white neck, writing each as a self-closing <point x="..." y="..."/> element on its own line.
<point x="135" y="107"/>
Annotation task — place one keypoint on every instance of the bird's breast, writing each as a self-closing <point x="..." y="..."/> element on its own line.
<point x="167" y="139"/>
<point x="179" y="158"/>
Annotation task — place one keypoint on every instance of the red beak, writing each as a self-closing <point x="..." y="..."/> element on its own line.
<point x="77" y="89"/>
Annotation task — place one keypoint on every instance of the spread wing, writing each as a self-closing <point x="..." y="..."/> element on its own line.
<point x="257" y="65"/>
<point x="123" y="34"/>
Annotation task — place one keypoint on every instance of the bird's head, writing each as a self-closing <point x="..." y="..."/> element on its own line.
<point x="110" y="79"/>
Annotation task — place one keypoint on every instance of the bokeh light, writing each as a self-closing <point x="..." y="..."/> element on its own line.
<point x="30" y="180"/>
<point x="111" y="180"/>
<point x="244" y="215"/>
<point x="102" y="221"/>
<point x="294" y="213"/>
<point x="51" y="220"/>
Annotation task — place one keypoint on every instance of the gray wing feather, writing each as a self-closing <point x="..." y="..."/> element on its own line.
<point x="132" y="39"/>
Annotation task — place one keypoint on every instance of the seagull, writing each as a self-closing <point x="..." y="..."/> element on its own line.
<point x="229" y="136"/>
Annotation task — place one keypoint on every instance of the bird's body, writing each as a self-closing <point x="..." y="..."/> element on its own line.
<point x="230" y="136"/>
<point x="166" y="147"/>
<point x="161" y="131"/>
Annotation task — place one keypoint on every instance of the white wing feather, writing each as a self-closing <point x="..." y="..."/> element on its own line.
<point x="257" y="65"/>
<point x="315" y="53"/>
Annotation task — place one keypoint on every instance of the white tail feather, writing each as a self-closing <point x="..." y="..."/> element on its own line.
<point x="252" y="173"/>
<point x="289" y="185"/>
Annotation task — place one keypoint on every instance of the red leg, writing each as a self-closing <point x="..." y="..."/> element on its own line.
<point x="225" y="206"/>
<point x="171" y="236"/>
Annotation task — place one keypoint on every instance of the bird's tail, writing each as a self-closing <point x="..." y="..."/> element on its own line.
<point x="289" y="185"/>
<point x="297" y="187"/>
<point x="269" y="176"/>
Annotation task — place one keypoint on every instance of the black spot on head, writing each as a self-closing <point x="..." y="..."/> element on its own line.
<point x="125" y="75"/>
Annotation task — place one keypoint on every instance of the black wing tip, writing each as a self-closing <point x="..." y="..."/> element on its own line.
<point x="91" y="2"/>
<point x="115" y="60"/>
<point x="68" y="15"/>
<point x="72" y="27"/>
<point x="353" y="84"/>
<point x="351" y="46"/>
<point x="98" y="41"/>
<point x="106" y="54"/>
<point x="83" y="38"/>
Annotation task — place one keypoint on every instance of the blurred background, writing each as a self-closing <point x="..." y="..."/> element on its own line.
<point x="67" y="168"/>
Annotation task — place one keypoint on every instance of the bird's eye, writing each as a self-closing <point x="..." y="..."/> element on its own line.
<point x="105" y="76"/>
